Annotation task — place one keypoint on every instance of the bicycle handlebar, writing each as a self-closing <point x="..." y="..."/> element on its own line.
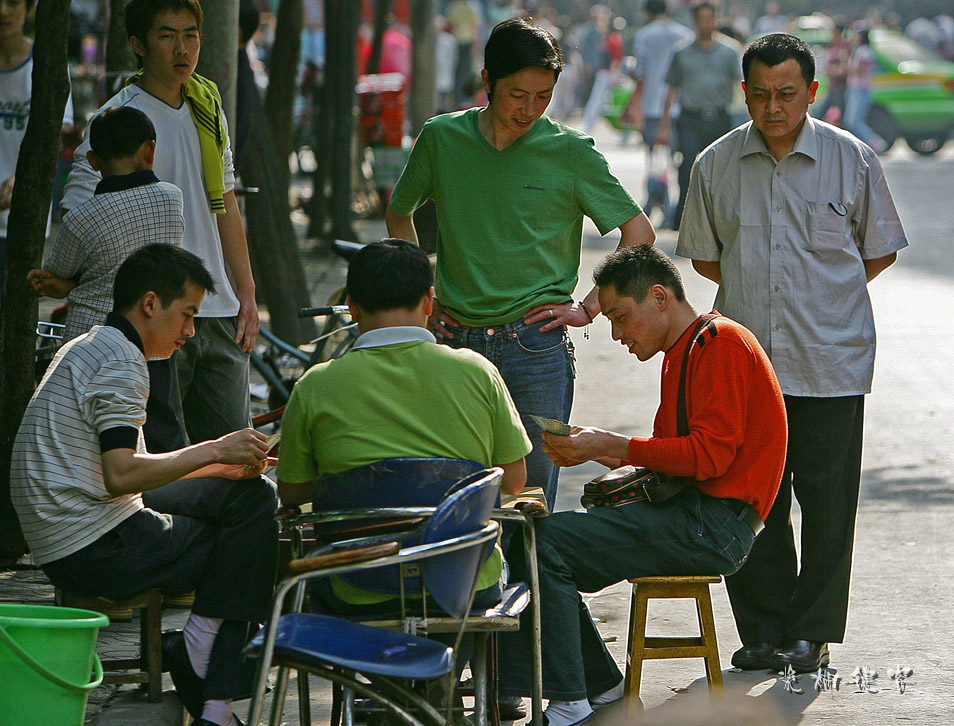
<point x="324" y="310"/>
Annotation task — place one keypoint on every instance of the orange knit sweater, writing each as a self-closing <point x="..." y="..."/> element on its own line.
<point x="737" y="427"/>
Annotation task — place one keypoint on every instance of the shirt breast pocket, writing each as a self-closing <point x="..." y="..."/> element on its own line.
<point x="827" y="226"/>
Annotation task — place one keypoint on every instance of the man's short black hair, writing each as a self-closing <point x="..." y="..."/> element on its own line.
<point x="118" y="132"/>
<point x="635" y="269"/>
<point x="249" y="19"/>
<point x="162" y="269"/>
<point x="656" y="7"/>
<point x="519" y="43"/>
<point x="776" y="48"/>
<point x="388" y="275"/>
<point x="140" y="15"/>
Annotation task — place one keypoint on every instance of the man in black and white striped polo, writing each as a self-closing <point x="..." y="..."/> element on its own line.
<point x="80" y="468"/>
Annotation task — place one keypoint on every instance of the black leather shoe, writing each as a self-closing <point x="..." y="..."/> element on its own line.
<point x="804" y="656"/>
<point x="511" y="709"/>
<point x="175" y="659"/>
<point x="757" y="657"/>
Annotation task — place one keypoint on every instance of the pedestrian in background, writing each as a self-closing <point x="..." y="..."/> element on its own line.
<point x="702" y="77"/>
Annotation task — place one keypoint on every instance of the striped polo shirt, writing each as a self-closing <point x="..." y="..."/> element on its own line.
<point x="97" y="384"/>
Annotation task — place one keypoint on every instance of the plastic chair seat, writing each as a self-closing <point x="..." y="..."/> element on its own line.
<point x="328" y="641"/>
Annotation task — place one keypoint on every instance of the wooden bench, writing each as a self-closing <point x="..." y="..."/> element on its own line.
<point x="147" y="668"/>
<point x="640" y="647"/>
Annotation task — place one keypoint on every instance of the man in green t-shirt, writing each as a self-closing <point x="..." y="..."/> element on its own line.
<point x="511" y="188"/>
<point x="396" y="394"/>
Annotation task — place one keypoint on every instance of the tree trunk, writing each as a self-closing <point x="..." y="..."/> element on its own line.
<point x="381" y="10"/>
<point x="341" y="43"/>
<point x="219" y="47"/>
<point x="272" y="243"/>
<point x="282" y="79"/>
<point x="422" y="101"/>
<point x="120" y="58"/>
<point x="25" y="235"/>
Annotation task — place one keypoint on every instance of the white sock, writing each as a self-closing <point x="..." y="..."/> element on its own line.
<point x="564" y="713"/>
<point x="613" y="694"/>
<point x="218" y="712"/>
<point x="199" y="633"/>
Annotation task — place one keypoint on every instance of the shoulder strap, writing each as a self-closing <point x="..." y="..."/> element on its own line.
<point x="682" y="418"/>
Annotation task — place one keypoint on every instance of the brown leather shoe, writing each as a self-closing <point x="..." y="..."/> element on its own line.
<point x="804" y="656"/>
<point x="756" y="657"/>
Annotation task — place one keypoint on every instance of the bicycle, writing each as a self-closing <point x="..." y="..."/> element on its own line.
<point x="282" y="364"/>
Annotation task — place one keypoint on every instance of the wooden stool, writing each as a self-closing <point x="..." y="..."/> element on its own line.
<point x="640" y="648"/>
<point x="149" y="662"/>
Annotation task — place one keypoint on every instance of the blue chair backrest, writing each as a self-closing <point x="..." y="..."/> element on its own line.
<point x="391" y="483"/>
<point x="449" y="577"/>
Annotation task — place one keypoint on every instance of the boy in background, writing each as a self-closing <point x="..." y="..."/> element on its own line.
<point x="129" y="209"/>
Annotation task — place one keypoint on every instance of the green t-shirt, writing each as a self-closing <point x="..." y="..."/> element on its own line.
<point x="405" y="400"/>
<point x="511" y="221"/>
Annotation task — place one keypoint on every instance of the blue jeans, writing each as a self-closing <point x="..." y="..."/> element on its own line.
<point x="538" y="370"/>
<point x="857" y="104"/>
<point x="690" y="534"/>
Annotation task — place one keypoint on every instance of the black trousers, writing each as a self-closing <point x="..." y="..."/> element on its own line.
<point x="695" y="131"/>
<point x="773" y="599"/>
<point x="213" y="536"/>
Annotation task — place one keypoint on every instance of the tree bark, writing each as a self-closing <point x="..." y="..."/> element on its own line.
<point x="422" y="100"/>
<point x="219" y="47"/>
<point x="272" y="242"/>
<point x="26" y="232"/>
<point x="282" y="78"/>
<point x="119" y="56"/>
<point x="340" y="64"/>
<point x="381" y="10"/>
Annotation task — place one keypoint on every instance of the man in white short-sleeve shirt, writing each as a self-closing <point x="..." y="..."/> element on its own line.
<point x="191" y="133"/>
<point x="793" y="217"/>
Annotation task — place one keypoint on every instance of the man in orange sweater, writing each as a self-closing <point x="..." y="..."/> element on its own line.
<point x="732" y="453"/>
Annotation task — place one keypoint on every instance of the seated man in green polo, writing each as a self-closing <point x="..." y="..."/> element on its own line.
<point x="397" y="394"/>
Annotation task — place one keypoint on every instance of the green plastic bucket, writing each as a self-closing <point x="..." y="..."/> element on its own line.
<point x="46" y="656"/>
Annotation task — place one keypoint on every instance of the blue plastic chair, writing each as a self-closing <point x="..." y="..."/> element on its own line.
<point x="453" y="544"/>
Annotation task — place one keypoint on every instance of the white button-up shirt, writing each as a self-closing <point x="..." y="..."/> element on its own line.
<point x="791" y="237"/>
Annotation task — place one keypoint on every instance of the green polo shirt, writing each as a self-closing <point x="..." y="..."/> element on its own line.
<point x="397" y="394"/>
<point x="510" y="221"/>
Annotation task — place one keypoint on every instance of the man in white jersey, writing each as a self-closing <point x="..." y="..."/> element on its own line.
<point x="80" y="468"/>
<point x="191" y="132"/>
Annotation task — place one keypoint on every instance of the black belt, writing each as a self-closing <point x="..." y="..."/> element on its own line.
<point x="745" y="513"/>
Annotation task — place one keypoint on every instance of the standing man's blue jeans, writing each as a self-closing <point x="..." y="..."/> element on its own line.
<point x="690" y="534"/>
<point x="538" y="370"/>
<point x="857" y="104"/>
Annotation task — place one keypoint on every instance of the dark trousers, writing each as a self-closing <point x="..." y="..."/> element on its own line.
<point x="690" y="534"/>
<point x="695" y="131"/>
<point x="213" y="536"/>
<point x="774" y="600"/>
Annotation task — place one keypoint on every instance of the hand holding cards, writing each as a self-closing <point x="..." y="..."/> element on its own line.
<point x="552" y="426"/>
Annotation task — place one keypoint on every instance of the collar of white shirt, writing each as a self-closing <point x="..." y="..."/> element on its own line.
<point x="806" y="143"/>
<point x="393" y="336"/>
